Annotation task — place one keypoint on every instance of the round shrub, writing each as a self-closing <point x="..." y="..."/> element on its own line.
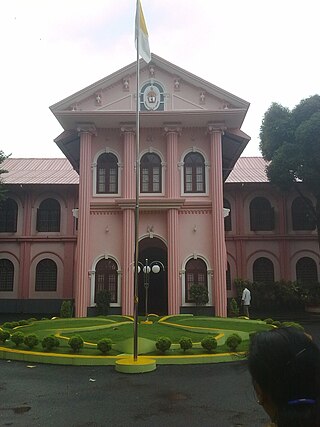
<point x="276" y="323"/>
<point x="104" y="345"/>
<point x="269" y="321"/>
<point x="50" y="342"/>
<point x="31" y="340"/>
<point x="163" y="344"/>
<point x="4" y="336"/>
<point x="23" y="322"/>
<point x="185" y="343"/>
<point x="233" y="341"/>
<point x="32" y="319"/>
<point x="76" y="343"/>
<point x="14" y="324"/>
<point x="7" y="325"/>
<point x="17" y="338"/>
<point x="292" y="325"/>
<point x="209" y="344"/>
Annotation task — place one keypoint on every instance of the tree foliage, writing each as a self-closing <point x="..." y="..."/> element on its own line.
<point x="290" y="141"/>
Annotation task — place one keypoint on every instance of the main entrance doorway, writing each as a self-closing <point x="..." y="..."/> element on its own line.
<point x="153" y="250"/>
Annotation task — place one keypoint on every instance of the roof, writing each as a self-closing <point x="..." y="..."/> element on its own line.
<point x="248" y="169"/>
<point x="39" y="171"/>
<point x="60" y="171"/>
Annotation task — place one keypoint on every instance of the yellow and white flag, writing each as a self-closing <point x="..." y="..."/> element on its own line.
<point x="141" y="38"/>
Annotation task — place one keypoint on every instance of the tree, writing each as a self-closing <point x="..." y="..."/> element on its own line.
<point x="290" y="142"/>
<point x="3" y="157"/>
<point x="199" y="295"/>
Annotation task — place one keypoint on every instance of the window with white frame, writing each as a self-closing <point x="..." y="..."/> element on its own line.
<point x="194" y="173"/>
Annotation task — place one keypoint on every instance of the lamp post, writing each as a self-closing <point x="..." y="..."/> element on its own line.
<point x="146" y="268"/>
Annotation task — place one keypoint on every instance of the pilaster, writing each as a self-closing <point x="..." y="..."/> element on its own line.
<point x="82" y="289"/>
<point x="172" y="132"/>
<point x="174" y="289"/>
<point x="129" y="157"/>
<point x="218" y="236"/>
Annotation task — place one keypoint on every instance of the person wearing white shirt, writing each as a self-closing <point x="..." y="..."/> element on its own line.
<point x="246" y="300"/>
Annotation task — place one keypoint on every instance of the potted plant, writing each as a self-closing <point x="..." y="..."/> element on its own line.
<point x="310" y="295"/>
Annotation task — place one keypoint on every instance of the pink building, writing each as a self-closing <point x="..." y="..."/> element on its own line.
<point x="65" y="234"/>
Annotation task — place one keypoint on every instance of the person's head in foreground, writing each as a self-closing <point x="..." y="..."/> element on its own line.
<point x="285" y="367"/>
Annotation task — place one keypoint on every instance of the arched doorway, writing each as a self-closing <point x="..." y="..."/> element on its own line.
<point x="153" y="250"/>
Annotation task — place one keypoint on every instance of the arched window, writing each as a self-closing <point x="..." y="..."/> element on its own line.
<point x="107" y="174"/>
<point x="194" y="173"/>
<point x="261" y="215"/>
<point x="227" y="219"/>
<point x="8" y="216"/>
<point x="228" y="278"/>
<point x="107" y="278"/>
<point x="150" y="173"/>
<point x="46" y="276"/>
<point x="306" y="270"/>
<point x="263" y="270"/>
<point x="6" y="275"/>
<point x="48" y="215"/>
<point x="196" y="274"/>
<point x="302" y="219"/>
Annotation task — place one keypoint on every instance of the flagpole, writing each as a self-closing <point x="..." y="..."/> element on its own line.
<point x="137" y="206"/>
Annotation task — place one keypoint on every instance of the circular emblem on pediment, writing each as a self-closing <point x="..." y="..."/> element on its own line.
<point x="152" y="97"/>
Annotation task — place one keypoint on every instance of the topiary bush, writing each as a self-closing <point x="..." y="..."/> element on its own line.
<point x="233" y="308"/>
<point x="4" y="336"/>
<point x="103" y="299"/>
<point x="66" y="309"/>
<point x="23" y="323"/>
<point x="31" y="340"/>
<point x="7" y="325"/>
<point x="163" y="344"/>
<point x="76" y="343"/>
<point x="104" y="345"/>
<point x="269" y="321"/>
<point x="185" y="343"/>
<point x="50" y="342"/>
<point x="233" y="341"/>
<point x="276" y="323"/>
<point x="32" y="319"/>
<point x="17" y="338"/>
<point x="293" y="325"/>
<point x="209" y="344"/>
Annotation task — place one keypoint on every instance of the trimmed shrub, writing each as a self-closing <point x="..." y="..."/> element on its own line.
<point x="4" y="336"/>
<point x="104" y="345"/>
<point x="17" y="338"/>
<point x="7" y="325"/>
<point x="276" y="323"/>
<point x="76" y="343"/>
<point x="32" y="319"/>
<point x="269" y="321"/>
<point x="163" y="344"/>
<point x="185" y="343"/>
<point x="44" y="318"/>
<point x="293" y="325"/>
<point x="50" y="342"/>
<point x="233" y="307"/>
<point x="209" y="344"/>
<point x="103" y="299"/>
<point x="23" y="322"/>
<point x="66" y="309"/>
<point x="31" y="340"/>
<point x="233" y="341"/>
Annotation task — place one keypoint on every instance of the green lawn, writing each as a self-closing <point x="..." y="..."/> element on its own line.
<point x="120" y="330"/>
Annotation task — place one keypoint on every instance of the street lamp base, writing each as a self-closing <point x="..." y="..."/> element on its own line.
<point x="130" y="366"/>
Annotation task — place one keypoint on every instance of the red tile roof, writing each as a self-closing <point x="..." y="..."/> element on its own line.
<point x="60" y="171"/>
<point x="39" y="171"/>
<point x="249" y="169"/>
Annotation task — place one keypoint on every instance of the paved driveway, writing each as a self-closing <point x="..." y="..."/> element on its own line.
<point x="218" y="395"/>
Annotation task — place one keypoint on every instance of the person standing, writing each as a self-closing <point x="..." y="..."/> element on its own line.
<point x="246" y="300"/>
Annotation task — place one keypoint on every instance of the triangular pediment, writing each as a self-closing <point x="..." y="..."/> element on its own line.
<point x="182" y="91"/>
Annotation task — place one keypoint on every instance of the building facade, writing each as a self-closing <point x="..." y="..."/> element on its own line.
<point x="68" y="224"/>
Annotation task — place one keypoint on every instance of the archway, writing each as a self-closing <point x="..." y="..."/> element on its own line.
<point x="153" y="250"/>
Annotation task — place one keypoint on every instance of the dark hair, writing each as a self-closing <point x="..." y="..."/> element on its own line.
<point x="285" y="363"/>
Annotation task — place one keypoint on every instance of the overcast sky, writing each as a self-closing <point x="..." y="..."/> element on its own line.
<point x="259" y="50"/>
